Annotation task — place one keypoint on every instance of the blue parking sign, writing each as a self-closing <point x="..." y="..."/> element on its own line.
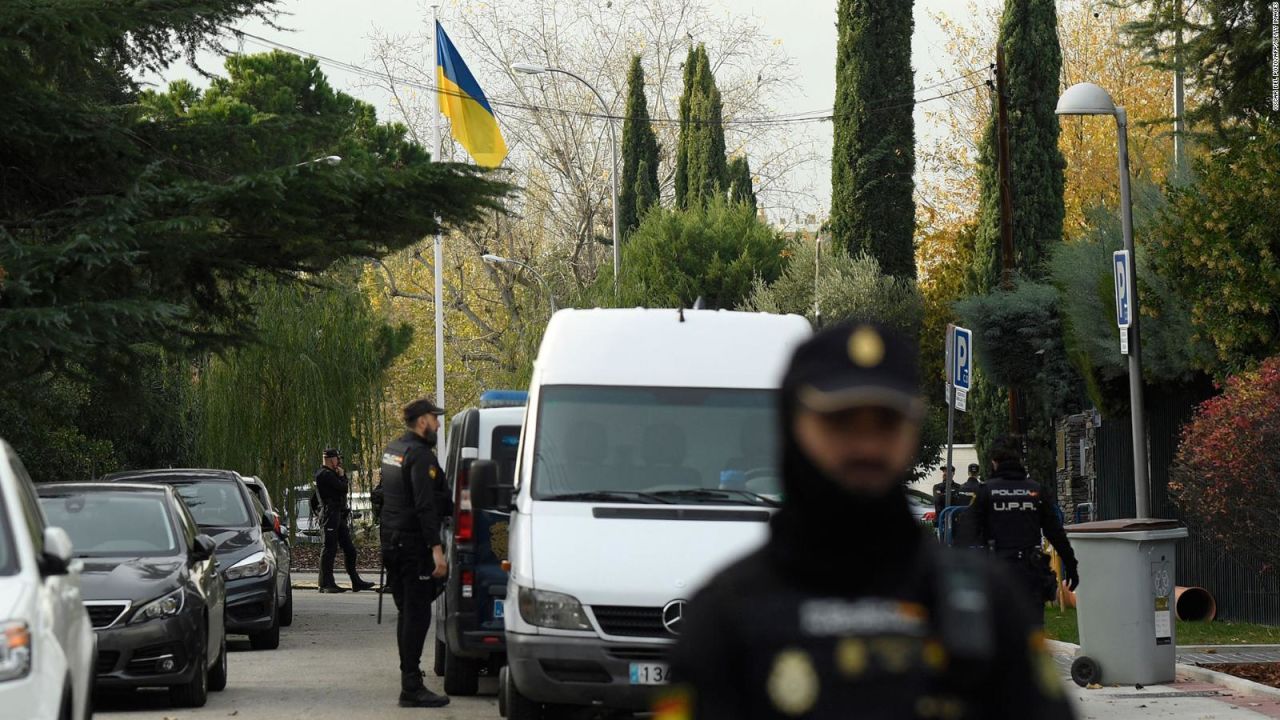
<point x="961" y="357"/>
<point x="1123" y="272"/>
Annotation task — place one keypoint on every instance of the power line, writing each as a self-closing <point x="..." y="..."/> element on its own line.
<point x="776" y="120"/>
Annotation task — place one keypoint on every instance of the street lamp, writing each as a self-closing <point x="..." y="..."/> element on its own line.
<point x="1090" y="99"/>
<point x="817" y="271"/>
<point x="326" y="160"/>
<point x="499" y="260"/>
<point x="527" y="68"/>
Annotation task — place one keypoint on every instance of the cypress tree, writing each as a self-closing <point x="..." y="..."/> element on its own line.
<point x="740" y="183"/>
<point x="682" y="146"/>
<point x="702" y="140"/>
<point x="639" y="154"/>
<point x="872" y="203"/>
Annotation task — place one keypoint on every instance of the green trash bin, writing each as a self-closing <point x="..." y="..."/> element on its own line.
<point x="1125" y="601"/>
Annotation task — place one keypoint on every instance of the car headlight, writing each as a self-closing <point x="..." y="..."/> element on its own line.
<point x="552" y="610"/>
<point x="15" y="650"/>
<point x="256" y="565"/>
<point x="163" y="607"/>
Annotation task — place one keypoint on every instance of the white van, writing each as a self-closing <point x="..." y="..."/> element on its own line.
<point x="646" y="465"/>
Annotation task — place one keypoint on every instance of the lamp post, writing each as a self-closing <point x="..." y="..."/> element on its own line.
<point x="499" y="260"/>
<point x="1090" y="99"/>
<point x="817" y="271"/>
<point x="326" y="160"/>
<point x="535" y="69"/>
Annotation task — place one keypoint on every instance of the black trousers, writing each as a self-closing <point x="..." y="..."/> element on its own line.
<point x="337" y="533"/>
<point x="409" y="566"/>
<point x="1024" y="567"/>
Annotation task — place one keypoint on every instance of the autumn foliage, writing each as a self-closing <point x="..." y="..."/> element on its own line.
<point x="1225" y="479"/>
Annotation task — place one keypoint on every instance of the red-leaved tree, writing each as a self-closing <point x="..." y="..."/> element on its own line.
<point x="1227" y="476"/>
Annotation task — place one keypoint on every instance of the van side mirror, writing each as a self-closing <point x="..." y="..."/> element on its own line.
<point x="486" y="493"/>
<point x="204" y="548"/>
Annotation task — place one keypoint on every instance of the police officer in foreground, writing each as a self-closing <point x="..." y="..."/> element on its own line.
<point x="412" y="508"/>
<point x="849" y="610"/>
<point x="333" y="485"/>
<point x="1009" y="514"/>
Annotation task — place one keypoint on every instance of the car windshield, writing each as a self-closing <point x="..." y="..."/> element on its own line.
<point x="106" y="523"/>
<point x="656" y="445"/>
<point x="214" y="503"/>
<point x="8" y="553"/>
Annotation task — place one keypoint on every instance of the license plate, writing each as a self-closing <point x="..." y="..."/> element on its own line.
<point x="499" y="608"/>
<point x="650" y="673"/>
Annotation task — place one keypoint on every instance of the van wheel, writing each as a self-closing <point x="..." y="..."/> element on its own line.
<point x="268" y="639"/>
<point x="286" y="610"/>
<point x="461" y="675"/>
<point x="218" y="673"/>
<point x="437" y="660"/>
<point x="195" y="693"/>
<point x="518" y="707"/>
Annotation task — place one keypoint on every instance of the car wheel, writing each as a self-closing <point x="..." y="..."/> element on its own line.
<point x="518" y="706"/>
<point x="437" y="660"/>
<point x="196" y="692"/>
<point x="218" y="675"/>
<point x="286" y="610"/>
<point x="268" y="639"/>
<point x="461" y="675"/>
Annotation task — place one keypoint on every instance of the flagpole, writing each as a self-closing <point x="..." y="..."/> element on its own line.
<point x="438" y="254"/>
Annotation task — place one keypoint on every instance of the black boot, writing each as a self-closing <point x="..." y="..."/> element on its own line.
<point x="357" y="585"/>
<point x="332" y="589"/>
<point x="414" y="694"/>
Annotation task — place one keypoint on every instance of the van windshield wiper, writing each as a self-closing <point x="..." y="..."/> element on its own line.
<point x="609" y="496"/>
<point x="709" y="494"/>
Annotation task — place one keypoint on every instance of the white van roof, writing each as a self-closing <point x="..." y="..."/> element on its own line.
<point x="710" y="348"/>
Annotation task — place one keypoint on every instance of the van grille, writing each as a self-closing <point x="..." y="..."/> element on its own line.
<point x="625" y="621"/>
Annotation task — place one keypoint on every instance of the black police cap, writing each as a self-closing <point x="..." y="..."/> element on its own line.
<point x="332" y="453"/>
<point x="974" y="468"/>
<point x="854" y="365"/>
<point x="420" y="407"/>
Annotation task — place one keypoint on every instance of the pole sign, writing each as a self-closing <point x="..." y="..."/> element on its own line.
<point x="1122" y="270"/>
<point x="960" y="363"/>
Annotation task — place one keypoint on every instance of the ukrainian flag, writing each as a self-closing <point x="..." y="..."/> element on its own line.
<point x="464" y="103"/>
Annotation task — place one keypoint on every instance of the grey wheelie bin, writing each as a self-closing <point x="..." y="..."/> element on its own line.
<point x="1125" y="601"/>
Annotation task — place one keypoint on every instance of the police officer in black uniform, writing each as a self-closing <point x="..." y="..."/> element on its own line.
<point x="958" y="499"/>
<point x="412" y="509"/>
<point x="850" y="610"/>
<point x="332" y="485"/>
<point x="1009" y="514"/>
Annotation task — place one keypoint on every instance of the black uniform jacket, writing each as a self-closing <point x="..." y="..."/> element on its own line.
<point x="961" y="496"/>
<point x="844" y="614"/>
<point x="414" y="491"/>
<point x="332" y="488"/>
<point x="1011" y="511"/>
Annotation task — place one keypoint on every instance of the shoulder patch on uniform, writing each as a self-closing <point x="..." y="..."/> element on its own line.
<point x="793" y="682"/>
<point x="392" y="459"/>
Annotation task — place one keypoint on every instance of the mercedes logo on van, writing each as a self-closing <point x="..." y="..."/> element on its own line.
<point x="673" y="616"/>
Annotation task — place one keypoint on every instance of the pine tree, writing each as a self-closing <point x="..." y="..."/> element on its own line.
<point x="741" y="189"/>
<point x="872" y="204"/>
<point x="639" y="154"/>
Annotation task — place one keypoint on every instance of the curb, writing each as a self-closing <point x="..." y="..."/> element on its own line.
<point x="1236" y="685"/>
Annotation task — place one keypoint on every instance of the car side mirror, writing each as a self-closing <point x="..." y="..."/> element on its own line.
<point x="270" y="522"/>
<point x="486" y="493"/>
<point x="204" y="548"/>
<point x="58" y="551"/>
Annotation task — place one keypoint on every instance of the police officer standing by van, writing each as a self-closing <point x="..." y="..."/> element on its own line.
<point x="1009" y="514"/>
<point x="413" y="493"/>
<point x="849" y="610"/>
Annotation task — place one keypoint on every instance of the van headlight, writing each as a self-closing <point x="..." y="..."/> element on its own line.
<point x="256" y="565"/>
<point x="15" y="650"/>
<point x="552" y="610"/>
<point x="162" y="607"/>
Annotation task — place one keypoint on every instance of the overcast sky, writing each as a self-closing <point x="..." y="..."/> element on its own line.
<point x="341" y="29"/>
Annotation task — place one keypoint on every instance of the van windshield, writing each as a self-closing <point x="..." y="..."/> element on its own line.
<point x="664" y="445"/>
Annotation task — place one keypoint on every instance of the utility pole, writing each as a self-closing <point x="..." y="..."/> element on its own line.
<point x="1006" y="207"/>
<point x="1179" y="108"/>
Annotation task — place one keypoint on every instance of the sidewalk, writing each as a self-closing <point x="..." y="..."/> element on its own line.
<point x="1197" y="693"/>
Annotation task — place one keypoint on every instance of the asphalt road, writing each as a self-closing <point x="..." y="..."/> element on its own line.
<point x="333" y="662"/>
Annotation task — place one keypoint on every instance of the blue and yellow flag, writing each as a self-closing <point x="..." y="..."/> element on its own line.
<point x="463" y="102"/>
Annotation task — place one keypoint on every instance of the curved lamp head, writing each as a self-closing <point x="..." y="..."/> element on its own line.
<point x="1086" y="99"/>
<point x="528" y="68"/>
<point x="494" y="259"/>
